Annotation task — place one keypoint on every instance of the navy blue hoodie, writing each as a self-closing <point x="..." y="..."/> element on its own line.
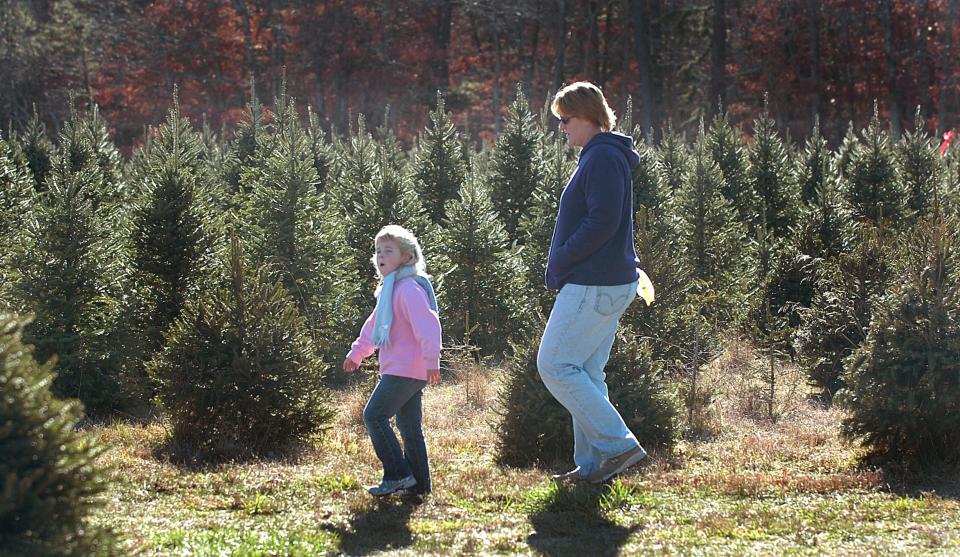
<point x="593" y="239"/>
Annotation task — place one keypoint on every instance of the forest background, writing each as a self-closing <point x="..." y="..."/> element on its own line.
<point x="679" y="60"/>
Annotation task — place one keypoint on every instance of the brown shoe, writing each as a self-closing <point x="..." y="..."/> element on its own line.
<point x="571" y="476"/>
<point x="614" y="465"/>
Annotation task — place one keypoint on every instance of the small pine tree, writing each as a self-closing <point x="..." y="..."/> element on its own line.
<point x="483" y="299"/>
<point x="534" y="429"/>
<point x="871" y="189"/>
<point x="250" y="132"/>
<point x="238" y="374"/>
<point x="536" y="227"/>
<point x="38" y="150"/>
<point x="904" y="384"/>
<point x="16" y="193"/>
<point x="674" y="159"/>
<point x="51" y="479"/>
<point x="726" y="147"/>
<point x="388" y="199"/>
<point x="820" y="227"/>
<point x="516" y="169"/>
<point x="170" y="243"/>
<point x="710" y="239"/>
<point x="66" y="266"/>
<point x="841" y="308"/>
<point x="440" y="169"/>
<point x="85" y="142"/>
<point x="321" y="151"/>
<point x="920" y="169"/>
<point x="356" y="168"/>
<point x="648" y="188"/>
<point x="771" y="181"/>
<point x="292" y="232"/>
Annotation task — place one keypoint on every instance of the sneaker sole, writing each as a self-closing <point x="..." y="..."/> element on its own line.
<point x="626" y="464"/>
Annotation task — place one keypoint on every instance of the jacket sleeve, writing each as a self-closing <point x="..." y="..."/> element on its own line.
<point x="363" y="346"/>
<point x="604" y="189"/>
<point x="424" y="321"/>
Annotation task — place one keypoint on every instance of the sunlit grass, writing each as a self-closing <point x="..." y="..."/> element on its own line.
<point x="756" y="487"/>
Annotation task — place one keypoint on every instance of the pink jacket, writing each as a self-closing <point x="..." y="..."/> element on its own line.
<point x="414" y="345"/>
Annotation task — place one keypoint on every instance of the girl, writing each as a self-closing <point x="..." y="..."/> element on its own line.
<point x="405" y="326"/>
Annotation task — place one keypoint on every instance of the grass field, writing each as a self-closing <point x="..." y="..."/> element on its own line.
<point x="756" y="487"/>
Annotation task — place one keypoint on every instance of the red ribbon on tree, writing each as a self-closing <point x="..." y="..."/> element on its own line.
<point x="947" y="139"/>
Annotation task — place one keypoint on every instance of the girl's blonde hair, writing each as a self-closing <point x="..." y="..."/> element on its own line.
<point x="407" y="243"/>
<point x="584" y="100"/>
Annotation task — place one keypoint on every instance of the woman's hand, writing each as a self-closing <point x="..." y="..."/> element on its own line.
<point x="350" y="366"/>
<point x="433" y="376"/>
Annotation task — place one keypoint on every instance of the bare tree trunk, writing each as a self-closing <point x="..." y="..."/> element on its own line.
<point x="530" y="62"/>
<point x="718" y="58"/>
<point x="441" y="40"/>
<point x="886" y="12"/>
<point x="849" y="73"/>
<point x="922" y="60"/>
<point x="248" y="61"/>
<point x="559" y="69"/>
<point x="497" y="72"/>
<point x="813" y="7"/>
<point x="642" y="39"/>
<point x="946" y="63"/>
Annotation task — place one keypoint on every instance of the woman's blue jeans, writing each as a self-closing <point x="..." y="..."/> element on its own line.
<point x="574" y="349"/>
<point x="401" y="397"/>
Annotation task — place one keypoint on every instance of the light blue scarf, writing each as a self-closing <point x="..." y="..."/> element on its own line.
<point x="384" y="310"/>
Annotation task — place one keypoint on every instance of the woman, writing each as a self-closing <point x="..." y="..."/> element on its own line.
<point x="593" y="264"/>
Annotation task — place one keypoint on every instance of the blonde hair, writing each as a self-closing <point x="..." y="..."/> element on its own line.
<point x="407" y="243"/>
<point x="584" y="100"/>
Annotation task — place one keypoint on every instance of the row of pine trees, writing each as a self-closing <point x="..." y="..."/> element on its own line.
<point x="222" y="281"/>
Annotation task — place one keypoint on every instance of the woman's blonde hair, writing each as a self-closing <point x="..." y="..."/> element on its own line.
<point x="584" y="100"/>
<point x="407" y="243"/>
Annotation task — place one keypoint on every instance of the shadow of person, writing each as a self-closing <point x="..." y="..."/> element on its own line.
<point x="382" y="524"/>
<point x="569" y="521"/>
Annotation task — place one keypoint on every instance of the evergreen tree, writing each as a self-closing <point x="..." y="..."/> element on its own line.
<point x="648" y="190"/>
<point x="726" y="147"/>
<point x="321" y="151"/>
<point x="356" y="167"/>
<point x="292" y="231"/>
<point x="844" y="154"/>
<point x="841" y="307"/>
<point x="388" y="198"/>
<point x="820" y="228"/>
<point x="483" y="299"/>
<point x="38" y="150"/>
<point x="238" y="374"/>
<point x="674" y="159"/>
<point x="904" y="384"/>
<point x="245" y="143"/>
<point x="871" y="189"/>
<point x="771" y="181"/>
<point x="85" y="142"/>
<point x="919" y="169"/>
<point x="170" y="246"/>
<point x="68" y="267"/>
<point x="16" y="192"/>
<point x="440" y="169"/>
<point x="534" y="429"/>
<point x="710" y="239"/>
<point x="51" y="479"/>
<point x="516" y="169"/>
<point x="536" y="226"/>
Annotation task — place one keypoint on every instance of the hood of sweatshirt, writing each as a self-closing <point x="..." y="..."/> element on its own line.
<point x="624" y="143"/>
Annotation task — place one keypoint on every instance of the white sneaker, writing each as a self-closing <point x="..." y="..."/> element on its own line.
<point x="387" y="487"/>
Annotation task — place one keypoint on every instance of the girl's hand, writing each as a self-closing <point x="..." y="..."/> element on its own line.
<point x="350" y="366"/>
<point x="433" y="376"/>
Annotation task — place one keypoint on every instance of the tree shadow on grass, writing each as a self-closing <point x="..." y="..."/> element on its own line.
<point x="383" y="525"/>
<point x="568" y="520"/>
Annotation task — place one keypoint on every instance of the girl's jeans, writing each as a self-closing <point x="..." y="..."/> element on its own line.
<point x="401" y="397"/>
<point x="573" y="352"/>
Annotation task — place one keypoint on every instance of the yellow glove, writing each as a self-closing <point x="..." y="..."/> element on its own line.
<point x="645" y="288"/>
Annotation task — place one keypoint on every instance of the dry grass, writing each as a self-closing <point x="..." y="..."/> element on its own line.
<point x="757" y="486"/>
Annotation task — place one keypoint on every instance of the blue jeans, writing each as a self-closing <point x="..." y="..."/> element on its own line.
<point x="401" y="397"/>
<point x="574" y="349"/>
